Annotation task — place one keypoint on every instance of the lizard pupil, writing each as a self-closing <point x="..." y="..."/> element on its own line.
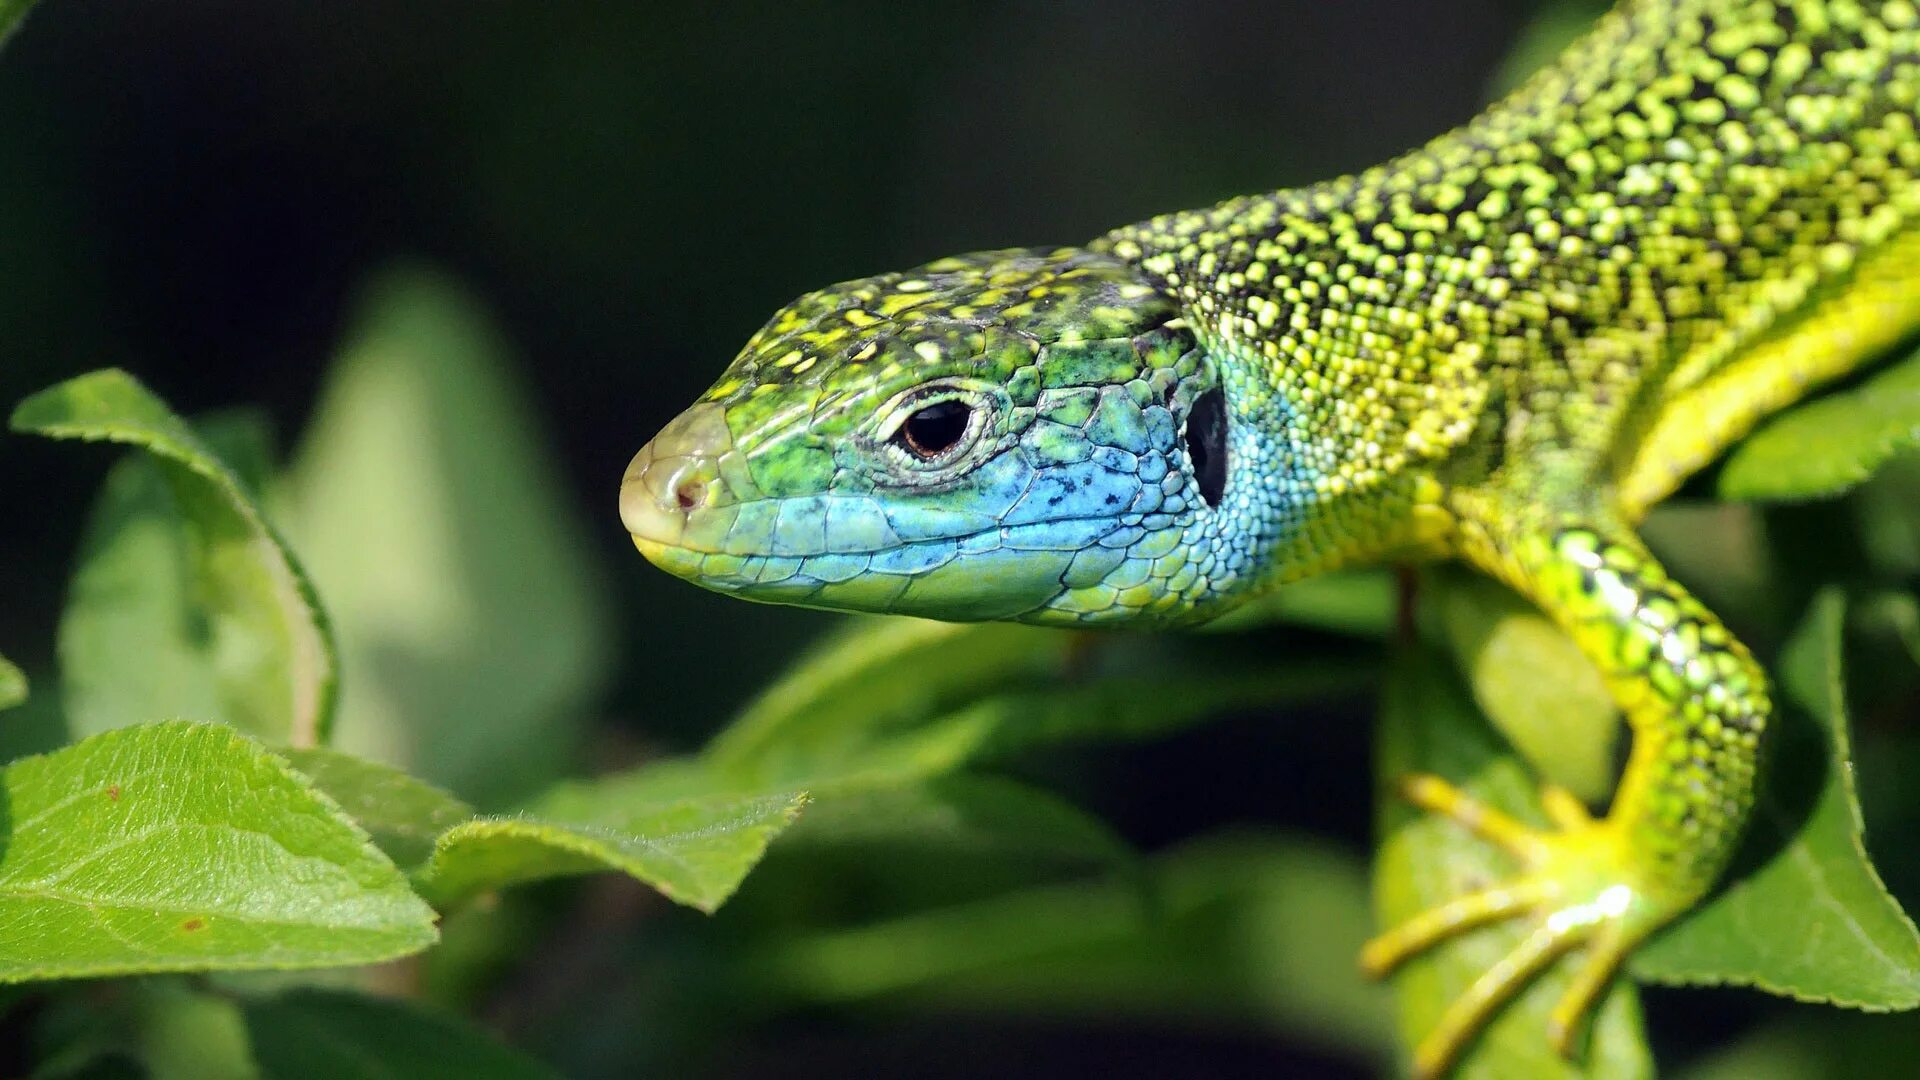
<point x="1207" y="444"/>
<point x="934" y="430"/>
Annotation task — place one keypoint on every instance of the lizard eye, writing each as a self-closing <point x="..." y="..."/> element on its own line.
<point x="934" y="430"/>
<point x="1206" y="439"/>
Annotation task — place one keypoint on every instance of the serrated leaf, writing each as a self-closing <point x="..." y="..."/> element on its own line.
<point x="432" y="512"/>
<point x="178" y="846"/>
<point x="1829" y="445"/>
<point x="1255" y="930"/>
<point x="1532" y="682"/>
<point x="344" y="1036"/>
<point x="1803" y="913"/>
<point x="1428" y="724"/>
<point x="670" y="826"/>
<point x="404" y="815"/>
<point x="13" y="684"/>
<point x="250" y="638"/>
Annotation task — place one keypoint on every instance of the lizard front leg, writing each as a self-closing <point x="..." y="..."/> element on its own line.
<point x="1697" y="704"/>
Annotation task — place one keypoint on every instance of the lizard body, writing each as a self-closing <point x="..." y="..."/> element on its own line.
<point x="1502" y="347"/>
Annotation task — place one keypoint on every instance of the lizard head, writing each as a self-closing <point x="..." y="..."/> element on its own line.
<point x="1029" y="434"/>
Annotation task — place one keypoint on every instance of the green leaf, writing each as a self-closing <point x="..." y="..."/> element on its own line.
<point x="1132" y="707"/>
<point x="177" y="846"/>
<point x="174" y="1031"/>
<point x="881" y="673"/>
<point x="183" y="1034"/>
<point x="671" y="826"/>
<point x="1428" y="724"/>
<point x="349" y="1037"/>
<point x="1357" y="602"/>
<point x="404" y="815"/>
<point x="233" y="633"/>
<point x="1829" y="445"/>
<point x="1814" y="1045"/>
<point x="1887" y="509"/>
<point x="1906" y="617"/>
<point x="135" y="639"/>
<point x="1542" y="41"/>
<point x="12" y="12"/>
<point x="1803" y="913"/>
<point x="1246" y="929"/>
<point x="1725" y="554"/>
<point x="1532" y="682"/>
<point x="13" y="684"/>
<point x="896" y="701"/>
<point x="965" y="813"/>
<point x="469" y="603"/>
<point x="893" y="849"/>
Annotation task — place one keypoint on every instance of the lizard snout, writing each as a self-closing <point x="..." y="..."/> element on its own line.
<point x="675" y="475"/>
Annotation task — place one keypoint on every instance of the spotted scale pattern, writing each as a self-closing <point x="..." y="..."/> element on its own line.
<point x="1502" y="347"/>
<point x="1078" y="505"/>
<point x="1689" y="181"/>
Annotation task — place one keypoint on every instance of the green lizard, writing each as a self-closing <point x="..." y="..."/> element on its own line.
<point x="1502" y="347"/>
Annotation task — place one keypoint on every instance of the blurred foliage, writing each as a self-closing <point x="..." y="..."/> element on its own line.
<point x="1531" y="682"/>
<point x="11" y="12"/>
<point x="1829" y="447"/>
<point x="982" y="824"/>
<point x="349" y="1037"/>
<point x="419" y="492"/>
<point x="222" y="622"/>
<point x="13" y="684"/>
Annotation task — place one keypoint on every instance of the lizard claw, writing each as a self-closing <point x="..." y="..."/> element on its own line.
<point x="1578" y="880"/>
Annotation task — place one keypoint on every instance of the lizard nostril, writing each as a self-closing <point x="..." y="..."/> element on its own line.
<point x="678" y="477"/>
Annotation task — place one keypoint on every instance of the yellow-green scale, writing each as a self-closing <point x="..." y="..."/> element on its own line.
<point x="1504" y="346"/>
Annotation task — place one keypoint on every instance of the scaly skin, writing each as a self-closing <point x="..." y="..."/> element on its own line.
<point x="1502" y="348"/>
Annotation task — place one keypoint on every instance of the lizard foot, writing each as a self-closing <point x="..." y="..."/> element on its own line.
<point x="1579" y="880"/>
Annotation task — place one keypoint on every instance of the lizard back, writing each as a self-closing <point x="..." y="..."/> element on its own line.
<point x="1698" y="213"/>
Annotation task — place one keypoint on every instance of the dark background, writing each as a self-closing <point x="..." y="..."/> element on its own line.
<point x="195" y="190"/>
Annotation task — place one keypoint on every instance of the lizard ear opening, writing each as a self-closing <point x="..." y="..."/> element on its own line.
<point x="1206" y="440"/>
